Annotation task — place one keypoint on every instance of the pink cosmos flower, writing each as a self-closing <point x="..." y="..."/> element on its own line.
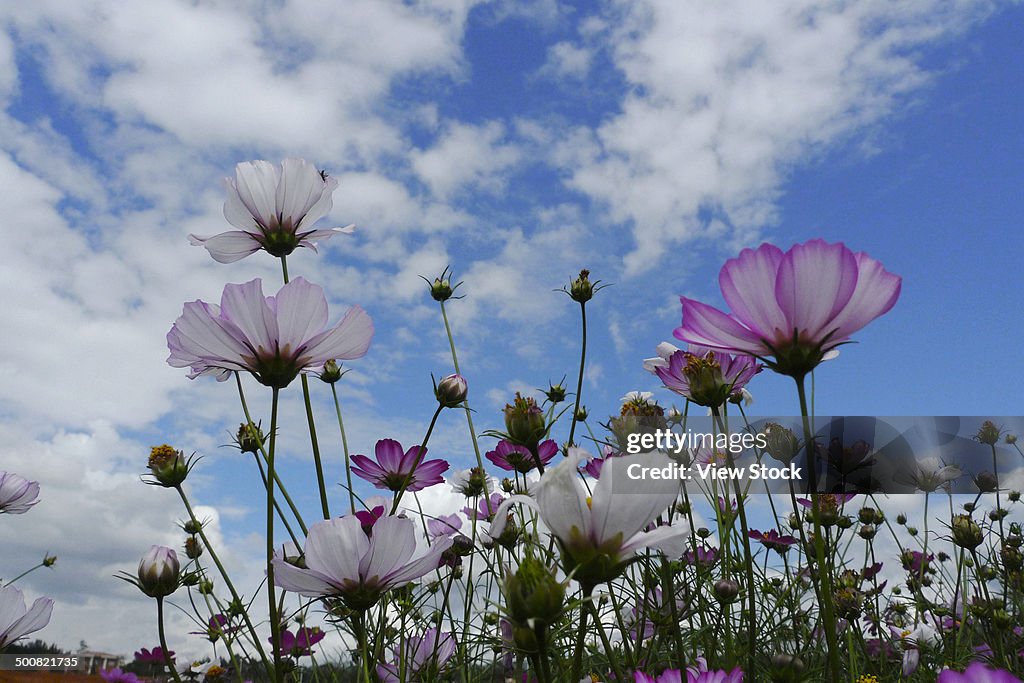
<point x="118" y="676"/>
<point x="772" y="540"/>
<point x="485" y="508"/>
<point x="274" y="208"/>
<point x="154" y="656"/>
<point x="17" y="621"/>
<point x="275" y="338"/>
<point x="300" y="644"/>
<point x="703" y="375"/>
<point x="369" y="517"/>
<point x="443" y="525"/>
<point x="977" y="673"/>
<point x="342" y="561"/>
<point x="17" y="494"/>
<point x="395" y="469"/>
<point x="794" y="306"/>
<point x="423" y="657"/>
<point x="512" y="457"/>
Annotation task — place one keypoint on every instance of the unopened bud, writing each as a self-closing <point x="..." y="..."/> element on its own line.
<point x="168" y="465"/>
<point x="159" y="572"/>
<point x="966" y="532"/>
<point x="451" y="391"/>
<point x="989" y="433"/>
<point x="581" y="289"/>
<point x="331" y="372"/>
<point x="726" y="591"/>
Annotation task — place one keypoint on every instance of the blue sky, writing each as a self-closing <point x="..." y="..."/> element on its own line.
<point x="517" y="141"/>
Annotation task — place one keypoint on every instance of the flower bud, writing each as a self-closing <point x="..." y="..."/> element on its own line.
<point x="901" y="519"/>
<point x="1014" y="496"/>
<point x="989" y="433"/>
<point x="451" y="391"/>
<point x="524" y="422"/>
<point x="192" y="527"/>
<point x="782" y="443"/>
<point x="193" y="549"/>
<point x="582" y="414"/>
<point x="867" y="532"/>
<point x="168" y="466"/>
<point x="533" y="594"/>
<point x="582" y="289"/>
<point x="159" y="572"/>
<point x="1011" y="439"/>
<point x="987" y="482"/>
<point x="726" y="591"/>
<point x="441" y="290"/>
<point x="966" y="532"/>
<point x="787" y="668"/>
<point x="49" y="560"/>
<point x="249" y="438"/>
<point x="555" y="393"/>
<point x="331" y="372"/>
<point x="866" y="515"/>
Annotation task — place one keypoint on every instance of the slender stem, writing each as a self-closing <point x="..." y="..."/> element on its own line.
<point x="275" y="623"/>
<point x="344" y="447"/>
<point x="828" y="613"/>
<point x="579" y="380"/>
<point x="581" y="635"/>
<point x="314" y="443"/>
<point x="163" y="639"/>
<point x="224" y="575"/>
<point x="263" y="452"/>
<point x="419" y="459"/>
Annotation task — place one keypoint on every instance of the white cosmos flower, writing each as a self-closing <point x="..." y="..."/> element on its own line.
<point x="931" y="473"/>
<point x="274" y="208"/>
<point x="17" y="621"/>
<point x="598" y="533"/>
<point x="17" y="494"/>
<point x="341" y="561"/>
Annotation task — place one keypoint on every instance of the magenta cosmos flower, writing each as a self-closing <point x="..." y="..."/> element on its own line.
<point x="423" y="658"/>
<point x="395" y="470"/>
<point x="17" y="494"/>
<point x="17" y="621"/>
<point x="341" y="561"/>
<point x="705" y="376"/>
<point x="977" y="673"/>
<point x="794" y="306"/>
<point x="154" y="656"/>
<point x="118" y="676"/>
<point x="513" y="457"/>
<point x="275" y="337"/>
<point x="300" y="644"/>
<point x="274" y="208"/>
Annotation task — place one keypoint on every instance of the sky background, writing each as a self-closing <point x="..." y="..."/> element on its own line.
<point x="517" y="141"/>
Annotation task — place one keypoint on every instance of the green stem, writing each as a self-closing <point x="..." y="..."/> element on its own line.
<point x="827" y="608"/>
<point x="419" y="459"/>
<point x="163" y="639"/>
<point x="227" y="579"/>
<point x="579" y="380"/>
<point x="344" y="447"/>
<point x="581" y="635"/>
<point x="275" y="623"/>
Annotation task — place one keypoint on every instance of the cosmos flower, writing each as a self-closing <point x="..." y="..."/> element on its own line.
<point x="395" y="470"/>
<point x="300" y="643"/>
<point x="17" y="494"/>
<point x="513" y="457"/>
<point x="118" y="676"/>
<point x="341" y="561"/>
<point x="154" y="656"/>
<point x="274" y="208"/>
<point x="977" y="673"/>
<point x="443" y="525"/>
<point x="17" y="621"/>
<point x="275" y="338"/>
<point x="772" y="540"/>
<point x="705" y="376"/>
<point x="485" y="508"/>
<point x="422" y="658"/>
<point x="598" y="533"/>
<point x="793" y="307"/>
<point x="931" y="473"/>
<point x="911" y="642"/>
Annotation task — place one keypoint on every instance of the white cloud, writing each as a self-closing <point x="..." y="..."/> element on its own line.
<point x="467" y="156"/>
<point x="724" y="99"/>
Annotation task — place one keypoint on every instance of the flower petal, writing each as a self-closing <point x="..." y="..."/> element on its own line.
<point x="306" y="582"/>
<point x="708" y="326"/>
<point x="334" y="548"/>
<point x="562" y="499"/>
<point x="228" y="247"/>
<point x="748" y="286"/>
<point x="815" y="283"/>
<point x="256" y="187"/>
<point x="877" y="291"/>
<point x="301" y="313"/>
<point x="246" y="307"/>
<point x="348" y="340"/>
<point x="629" y="513"/>
<point x="392" y="544"/>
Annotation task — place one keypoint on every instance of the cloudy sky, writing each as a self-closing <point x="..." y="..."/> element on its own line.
<point x="517" y="141"/>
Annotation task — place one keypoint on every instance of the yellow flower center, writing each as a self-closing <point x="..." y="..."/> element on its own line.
<point x="867" y="678"/>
